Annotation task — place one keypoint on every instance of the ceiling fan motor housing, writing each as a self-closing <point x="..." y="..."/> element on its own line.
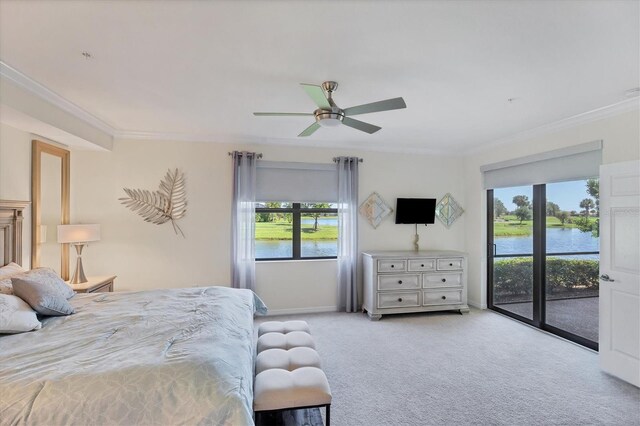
<point x="329" y="117"/>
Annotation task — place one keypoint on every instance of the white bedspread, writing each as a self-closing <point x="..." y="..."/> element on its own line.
<point x="164" y="357"/>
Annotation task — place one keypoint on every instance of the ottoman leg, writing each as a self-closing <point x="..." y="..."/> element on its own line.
<point x="328" y="414"/>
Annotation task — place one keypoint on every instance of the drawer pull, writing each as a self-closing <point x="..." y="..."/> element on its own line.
<point x="422" y="266"/>
<point x="393" y="266"/>
<point x="399" y="299"/>
<point x="399" y="281"/>
<point x="451" y="264"/>
<point x="444" y="297"/>
<point x="444" y="280"/>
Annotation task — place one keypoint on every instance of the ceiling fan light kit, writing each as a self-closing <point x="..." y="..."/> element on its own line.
<point x="329" y="114"/>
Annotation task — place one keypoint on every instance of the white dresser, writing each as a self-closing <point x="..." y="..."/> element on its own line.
<point x="407" y="281"/>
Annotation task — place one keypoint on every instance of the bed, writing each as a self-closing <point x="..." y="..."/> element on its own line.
<point x="179" y="356"/>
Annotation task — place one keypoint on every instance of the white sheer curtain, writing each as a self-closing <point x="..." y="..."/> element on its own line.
<point x="243" y="222"/>
<point x="347" y="232"/>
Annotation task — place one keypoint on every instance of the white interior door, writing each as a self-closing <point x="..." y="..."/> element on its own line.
<point x="619" y="344"/>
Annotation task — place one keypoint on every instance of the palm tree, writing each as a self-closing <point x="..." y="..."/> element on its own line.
<point x="587" y="204"/>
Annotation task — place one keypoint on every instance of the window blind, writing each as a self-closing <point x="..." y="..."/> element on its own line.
<point x="572" y="163"/>
<point x="296" y="182"/>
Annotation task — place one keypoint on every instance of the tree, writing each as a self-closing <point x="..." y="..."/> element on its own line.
<point x="315" y="215"/>
<point x="521" y="201"/>
<point x="585" y="225"/>
<point x="552" y="208"/>
<point x="587" y="204"/>
<point x="523" y="213"/>
<point x="498" y="208"/>
<point x="593" y="189"/>
<point x="562" y="216"/>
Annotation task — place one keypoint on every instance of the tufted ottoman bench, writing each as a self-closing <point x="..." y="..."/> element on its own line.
<point x="283" y="327"/>
<point x="294" y="339"/>
<point x="288" y="373"/>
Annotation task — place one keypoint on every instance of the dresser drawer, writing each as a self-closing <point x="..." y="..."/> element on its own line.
<point x="392" y="265"/>
<point x="398" y="282"/>
<point x="417" y="265"/>
<point x="398" y="299"/>
<point x="441" y="280"/>
<point x="442" y="297"/>
<point x="452" y="264"/>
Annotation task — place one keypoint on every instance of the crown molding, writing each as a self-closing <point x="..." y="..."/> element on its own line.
<point x="50" y="96"/>
<point x="394" y="147"/>
<point x="627" y="105"/>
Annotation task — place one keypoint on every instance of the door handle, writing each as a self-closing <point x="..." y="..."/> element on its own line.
<point x="605" y="277"/>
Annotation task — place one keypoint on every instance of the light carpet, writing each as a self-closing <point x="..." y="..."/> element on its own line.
<point x="445" y="368"/>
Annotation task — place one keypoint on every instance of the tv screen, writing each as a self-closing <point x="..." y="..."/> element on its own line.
<point x="415" y="210"/>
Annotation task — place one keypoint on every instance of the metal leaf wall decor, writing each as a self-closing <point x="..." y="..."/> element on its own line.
<point x="168" y="203"/>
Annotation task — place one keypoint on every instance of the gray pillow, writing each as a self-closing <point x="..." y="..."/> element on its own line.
<point x="50" y="279"/>
<point x="44" y="291"/>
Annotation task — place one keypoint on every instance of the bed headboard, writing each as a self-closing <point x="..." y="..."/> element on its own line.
<point x="11" y="231"/>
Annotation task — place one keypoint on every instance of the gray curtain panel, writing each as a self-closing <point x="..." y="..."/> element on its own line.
<point x="243" y="223"/>
<point x="347" y="233"/>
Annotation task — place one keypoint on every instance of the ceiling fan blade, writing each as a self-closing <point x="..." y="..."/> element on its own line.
<point x="282" y="114"/>
<point x="317" y="94"/>
<point x="360" y="125"/>
<point x="389" y="104"/>
<point x="309" y="130"/>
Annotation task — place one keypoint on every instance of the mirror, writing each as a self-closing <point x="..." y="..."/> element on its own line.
<point x="448" y="210"/>
<point x="50" y="196"/>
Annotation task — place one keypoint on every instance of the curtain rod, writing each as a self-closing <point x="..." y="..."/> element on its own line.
<point x="360" y="160"/>
<point x="258" y="155"/>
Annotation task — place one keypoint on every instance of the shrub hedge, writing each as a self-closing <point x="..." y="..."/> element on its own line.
<point x="513" y="278"/>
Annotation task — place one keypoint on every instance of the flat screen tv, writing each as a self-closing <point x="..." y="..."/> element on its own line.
<point x="415" y="210"/>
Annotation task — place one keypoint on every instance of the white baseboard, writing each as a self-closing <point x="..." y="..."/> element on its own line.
<point x="476" y="304"/>
<point x="310" y="310"/>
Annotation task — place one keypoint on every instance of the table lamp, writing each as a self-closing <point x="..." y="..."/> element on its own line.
<point x="78" y="236"/>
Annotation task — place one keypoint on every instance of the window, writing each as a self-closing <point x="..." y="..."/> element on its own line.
<point x="296" y="231"/>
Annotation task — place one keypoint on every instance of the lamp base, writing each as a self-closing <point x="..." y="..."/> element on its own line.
<point x="78" y="275"/>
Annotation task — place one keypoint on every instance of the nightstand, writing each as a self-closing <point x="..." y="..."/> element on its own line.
<point x="95" y="285"/>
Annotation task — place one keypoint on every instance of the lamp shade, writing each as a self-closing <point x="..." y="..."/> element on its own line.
<point x="78" y="233"/>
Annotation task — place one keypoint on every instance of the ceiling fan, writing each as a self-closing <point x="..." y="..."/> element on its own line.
<point x="329" y="114"/>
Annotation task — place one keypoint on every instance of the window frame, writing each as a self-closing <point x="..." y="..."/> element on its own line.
<point x="296" y="213"/>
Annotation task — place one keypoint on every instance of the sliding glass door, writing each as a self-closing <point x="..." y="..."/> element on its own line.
<point x="512" y="249"/>
<point x="543" y="256"/>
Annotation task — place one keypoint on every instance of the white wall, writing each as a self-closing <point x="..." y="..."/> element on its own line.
<point x="15" y="177"/>
<point x="621" y="141"/>
<point x="146" y="256"/>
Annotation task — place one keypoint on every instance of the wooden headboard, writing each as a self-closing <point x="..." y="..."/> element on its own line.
<point x="11" y="231"/>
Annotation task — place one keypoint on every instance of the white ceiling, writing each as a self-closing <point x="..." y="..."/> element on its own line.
<point x="197" y="70"/>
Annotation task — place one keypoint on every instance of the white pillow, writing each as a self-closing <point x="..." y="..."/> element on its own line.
<point x="16" y="316"/>
<point x="11" y="269"/>
<point x="5" y="286"/>
<point x="6" y="272"/>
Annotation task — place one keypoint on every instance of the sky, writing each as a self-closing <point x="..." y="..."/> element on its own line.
<point x="565" y="194"/>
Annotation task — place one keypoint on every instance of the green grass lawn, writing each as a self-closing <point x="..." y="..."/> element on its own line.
<point x="510" y="226"/>
<point x="283" y="231"/>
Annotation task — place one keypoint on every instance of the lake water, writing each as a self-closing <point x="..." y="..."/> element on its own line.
<point x="278" y="249"/>
<point x="330" y="221"/>
<point x="559" y="240"/>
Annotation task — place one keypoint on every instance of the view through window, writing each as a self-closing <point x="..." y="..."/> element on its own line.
<point x="296" y="230"/>
<point x="571" y="261"/>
